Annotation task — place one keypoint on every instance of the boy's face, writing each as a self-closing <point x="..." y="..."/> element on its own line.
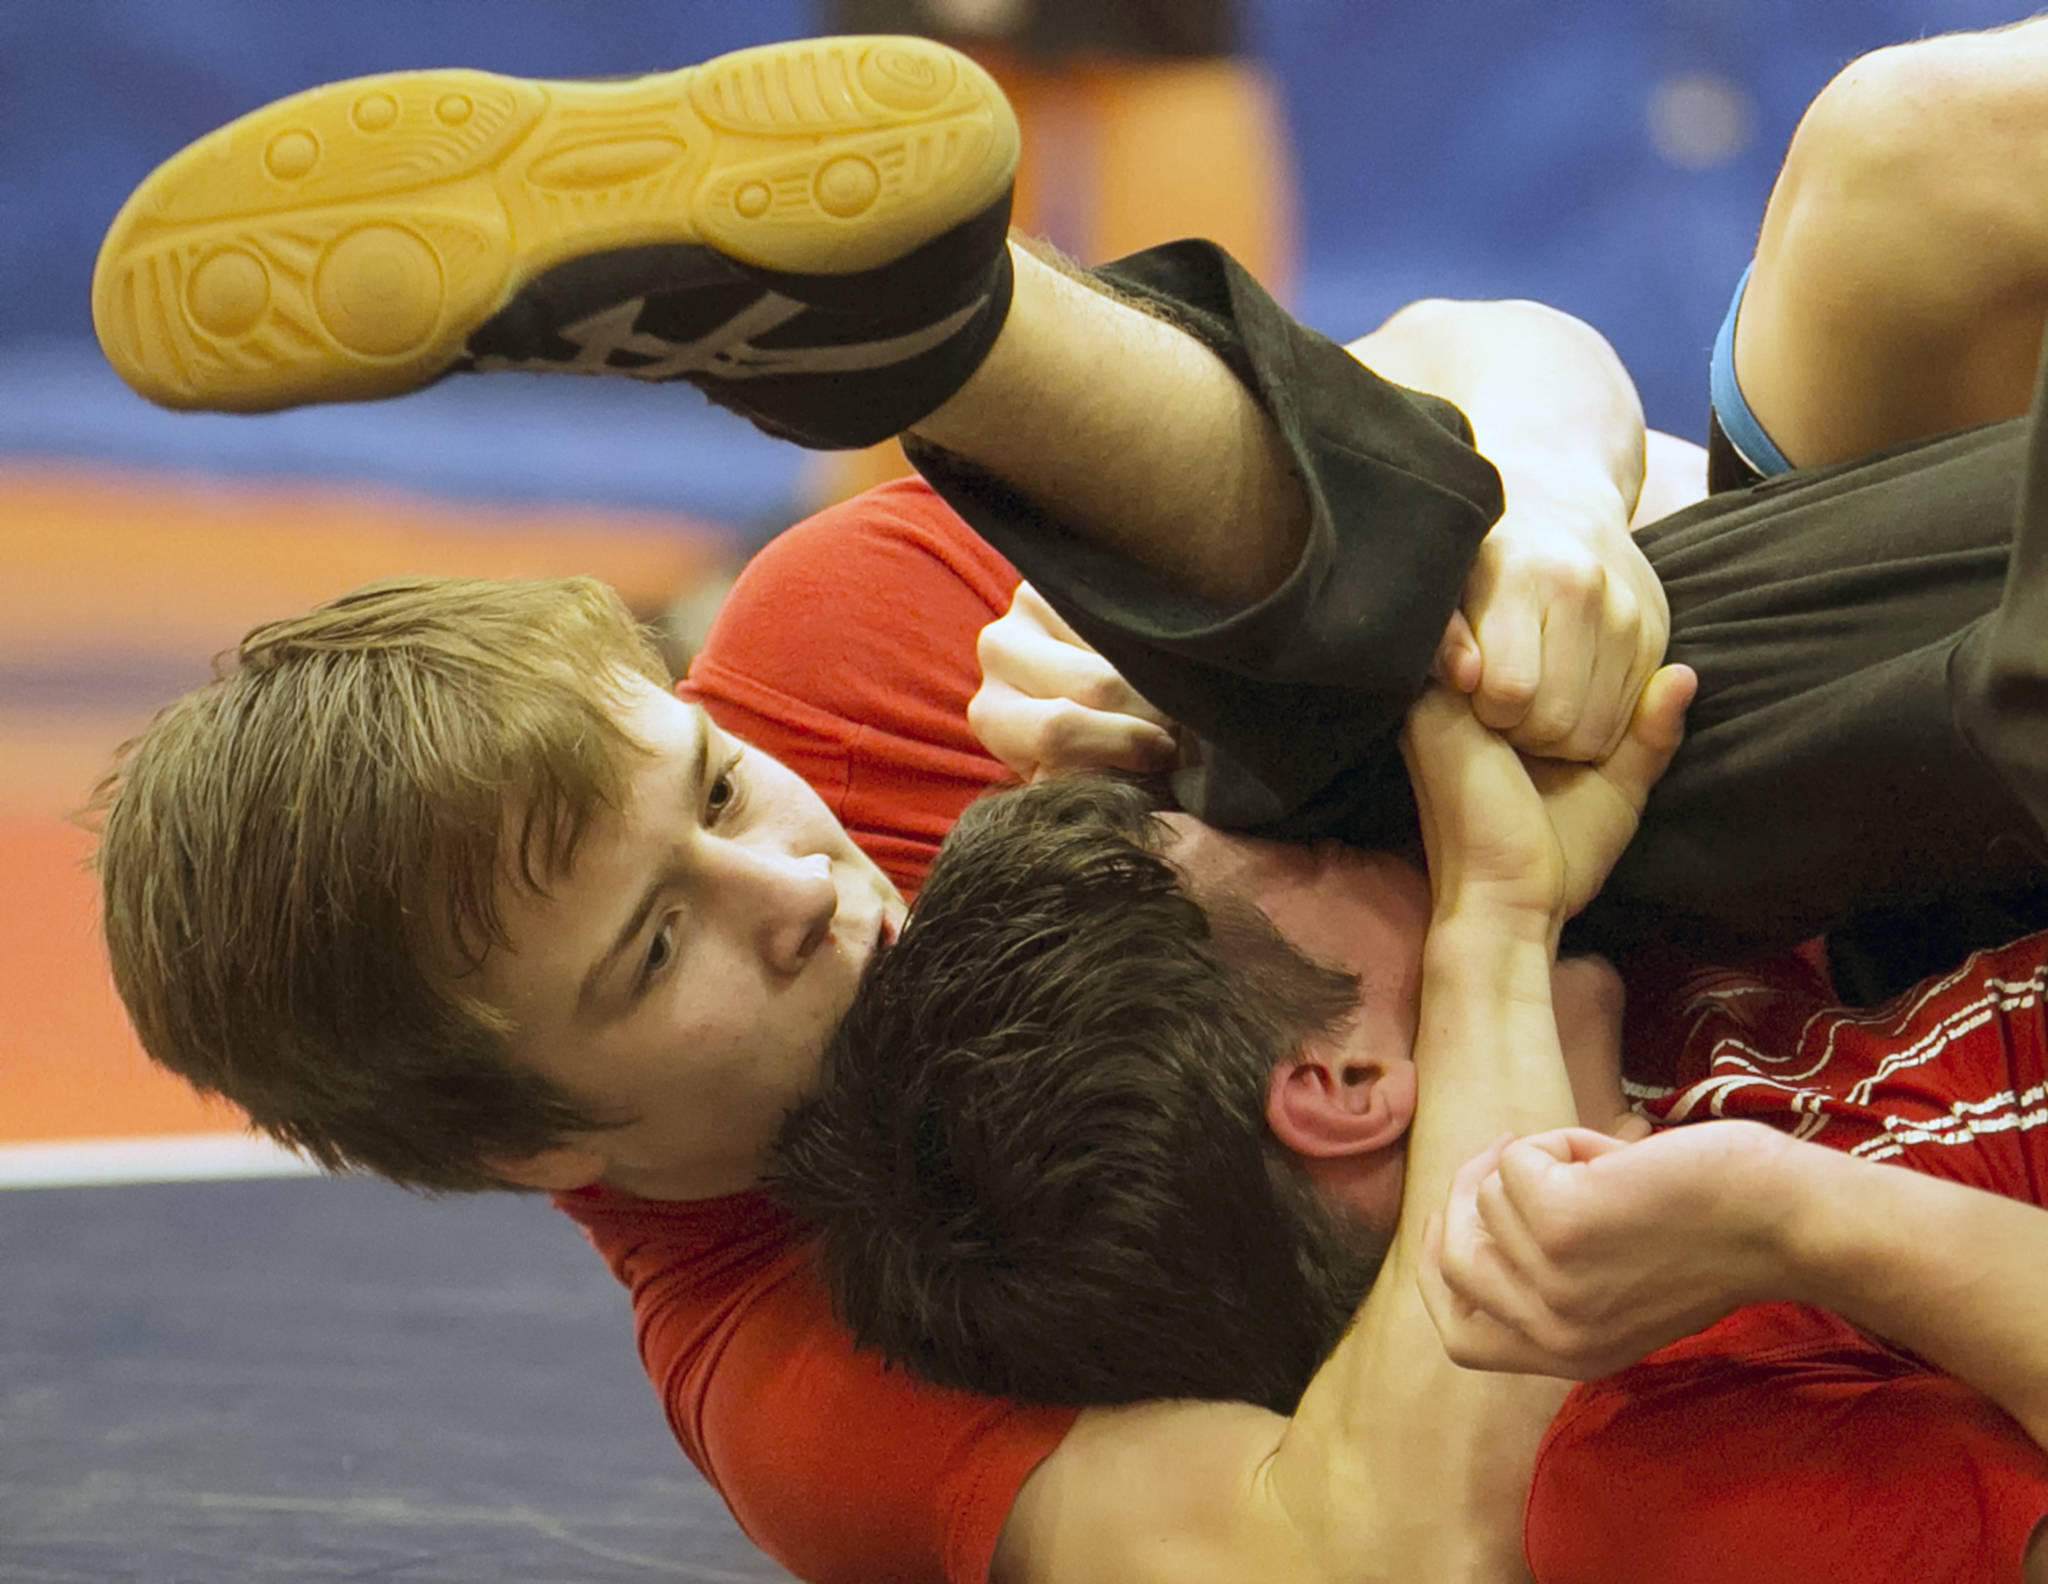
<point x="1365" y="912"/>
<point x="687" y="970"/>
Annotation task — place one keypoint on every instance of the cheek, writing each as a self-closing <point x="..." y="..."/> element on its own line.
<point x="1387" y="957"/>
<point x="788" y="795"/>
<point x="1402" y="983"/>
<point x="798" y="818"/>
<point x="736" y="1042"/>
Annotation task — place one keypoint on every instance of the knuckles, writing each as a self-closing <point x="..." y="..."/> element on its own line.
<point x="1101" y="689"/>
<point x="990" y="720"/>
<point x="995" y="644"/>
<point x="1060" y="732"/>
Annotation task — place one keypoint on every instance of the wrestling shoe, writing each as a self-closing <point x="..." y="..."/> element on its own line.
<point x="811" y="233"/>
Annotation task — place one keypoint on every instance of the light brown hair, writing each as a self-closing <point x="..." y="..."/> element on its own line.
<point x="300" y="862"/>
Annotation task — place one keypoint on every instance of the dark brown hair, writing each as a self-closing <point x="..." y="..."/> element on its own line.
<point x="1038" y="1159"/>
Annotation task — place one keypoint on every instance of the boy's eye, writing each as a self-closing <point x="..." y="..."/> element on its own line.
<point x="659" y="950"/>
<point x="723" y="791"/>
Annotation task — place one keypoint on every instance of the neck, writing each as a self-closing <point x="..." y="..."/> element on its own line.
<point x="716" y="1180"/>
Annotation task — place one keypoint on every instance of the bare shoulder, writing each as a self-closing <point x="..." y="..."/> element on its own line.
<point x="1154" y="1491"/>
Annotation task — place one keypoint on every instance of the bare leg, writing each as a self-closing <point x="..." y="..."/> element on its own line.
<point x="1134" y="432"/>
<point x="1902" y="272"/>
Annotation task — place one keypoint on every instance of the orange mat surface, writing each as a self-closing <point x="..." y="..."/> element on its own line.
<point x="116" y="589"/>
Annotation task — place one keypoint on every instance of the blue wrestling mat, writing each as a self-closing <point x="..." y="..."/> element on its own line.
<point x="212" y="1383"/>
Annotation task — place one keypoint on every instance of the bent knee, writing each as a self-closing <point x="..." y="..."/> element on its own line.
<point x="1930" y="136"/>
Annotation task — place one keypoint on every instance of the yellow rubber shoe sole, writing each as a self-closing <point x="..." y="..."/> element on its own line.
<point x="342" y="244"/>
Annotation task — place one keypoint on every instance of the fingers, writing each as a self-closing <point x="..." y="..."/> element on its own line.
<point x="1446" y="750"/>
<point x="1472" y="1337"/>
<point x="1660" y="713"/>
<point x="1044" y="665"/>
<point x="1569" y="621"/>
<point x="1036" y="737"/>
<point x="1530" y="1160"/>
<point x="1593" y="809"/>
<point x="1049" y="702"/>
<point x="1461" y="1302"/>
<point x="1616" y="684"/>
<point x="1473" y="1279"/>
<point x="1561" y="666"/>
<point x="1487" y="838"/>
<point x="1430" y="738"/>
<point x="1028" y="604"/>
<point x="1491" y="1272"/>
<point x="1509" y="633"/>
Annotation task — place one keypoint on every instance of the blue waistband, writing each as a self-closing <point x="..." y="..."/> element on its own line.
<point x="1738" y="423"/>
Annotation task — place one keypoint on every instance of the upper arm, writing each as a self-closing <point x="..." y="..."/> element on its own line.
<point x="1674" y="477"/>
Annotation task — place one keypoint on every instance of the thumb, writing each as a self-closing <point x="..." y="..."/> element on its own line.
<point x="1654" y="733"/>
<point x="1432" y="734"/>
<point x="1457" y="655"/>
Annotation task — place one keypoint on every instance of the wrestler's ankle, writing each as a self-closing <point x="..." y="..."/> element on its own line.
<point x="1047" y="326"/>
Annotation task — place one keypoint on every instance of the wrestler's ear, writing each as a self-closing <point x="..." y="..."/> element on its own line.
<point x="1326" y="1104"/>
<point x="557" y="1170"/>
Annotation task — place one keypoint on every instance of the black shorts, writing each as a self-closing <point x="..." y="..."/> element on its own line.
<point x="1843" y="621"/>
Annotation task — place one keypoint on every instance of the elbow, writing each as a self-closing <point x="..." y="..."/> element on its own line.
<point x="1438" y="315"/>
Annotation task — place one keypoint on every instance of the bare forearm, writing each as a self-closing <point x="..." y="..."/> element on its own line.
<point x="1442" y="1498"/>
<point x="1958" y="1275"/>
<point x="1444" y="1495"/>
<point x="1549" y="402"/>
<point x="1487" y="1057"/>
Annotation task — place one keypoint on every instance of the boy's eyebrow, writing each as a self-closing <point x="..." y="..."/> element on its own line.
<point x="693" y="779"/>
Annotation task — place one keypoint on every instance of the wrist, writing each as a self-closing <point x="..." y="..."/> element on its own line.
<point x="1479" y="958"/>
<point x="1810" y="1202"/>
<point x="1475" y="920"/>
<point x="1486" y="1056"/>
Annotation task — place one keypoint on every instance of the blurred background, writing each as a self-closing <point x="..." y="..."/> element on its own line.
<point x="1608" y="156"/>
